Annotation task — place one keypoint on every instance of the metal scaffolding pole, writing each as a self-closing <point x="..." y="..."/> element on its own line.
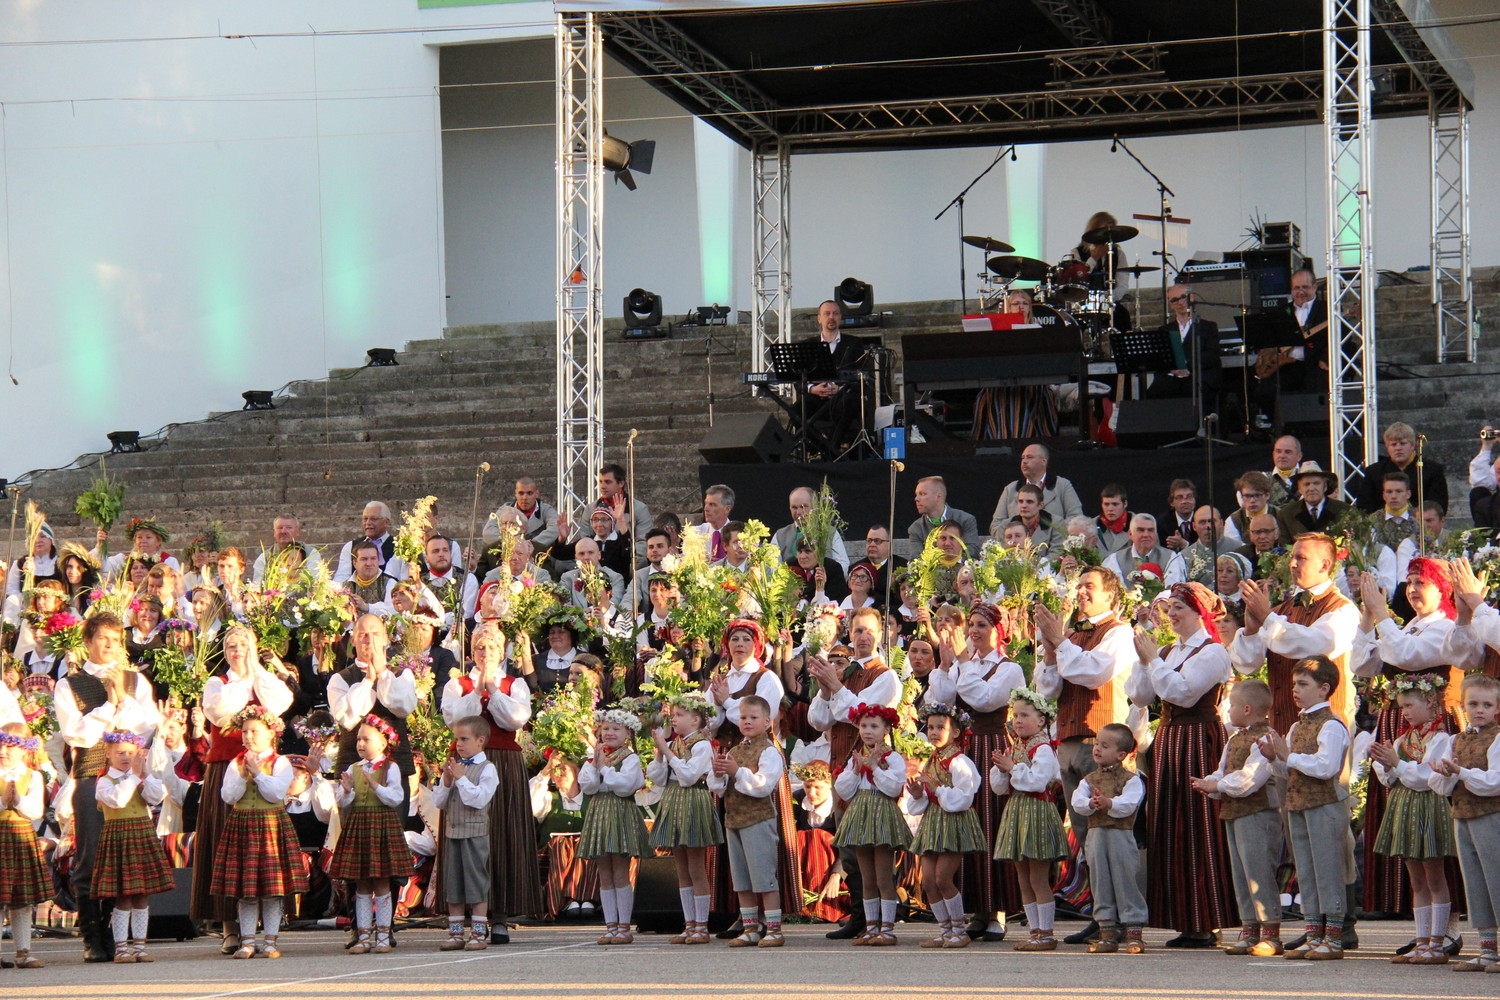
<point x="1452" y="277"/>
<point x="580" y="258"/>
<point x="771" y="318"/>
<point x="1351" y="263"/>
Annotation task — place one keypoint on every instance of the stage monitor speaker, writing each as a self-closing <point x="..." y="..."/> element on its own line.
<point x="658" y="907"/>
<point x="743" y="438"/>
<point x="1304" y="413"/>
<point x="1150" y="423"/>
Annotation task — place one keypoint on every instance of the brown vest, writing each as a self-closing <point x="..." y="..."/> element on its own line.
<point x="1236" y="752"/>
<point x="1110" y="781"/>
<point x="461" y="821"/>
<point x="1304" y="792"/>
<point x="1205" y="709"/>
<point x="986" y="723"/>
<point x="1473" y="750"/>
<point x="89" y="694"/>
<point x="843" y="735"/>
<point x="729" y="733"/>
<point x="1082" y="711"/>
<point x="1279" y="668"/>
<point x="742" y="810"/>
<point x="1491" y="663"/>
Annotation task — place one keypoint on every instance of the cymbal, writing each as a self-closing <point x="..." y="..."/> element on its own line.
<point x="989" y="244"/>
<point x="1111" y="234"/>
<point x="1137" y="269"/>
<point x="1019" y="268"/>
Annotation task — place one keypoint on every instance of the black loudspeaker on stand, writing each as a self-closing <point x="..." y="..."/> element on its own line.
<point x="658" y="907"/>
<point x="1150" y="423"/>
<point x="744" y="438"/>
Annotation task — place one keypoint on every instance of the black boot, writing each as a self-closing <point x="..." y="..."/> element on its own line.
<point x="1089" y="933"/>
<point x="1350" y="937"/>
<point x="91" y="928"/>
<point x="849" y="929"/>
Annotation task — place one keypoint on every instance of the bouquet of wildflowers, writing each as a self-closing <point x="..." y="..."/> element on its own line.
<point x="823" y="522"/>
<point x="411" y="537"/>
<point x="62" y="633"/>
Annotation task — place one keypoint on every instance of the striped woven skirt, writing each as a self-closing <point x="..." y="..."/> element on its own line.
<point x="613" y="825"/>
<point x="1189" y="888"/>
<point x="685" y="817"/>
<point x="1417" y="825"/>
<point x="129" y="860"/>
<point x="987" y="885"/>
<point x="25" y="881"/>
<point x="212" y="813"/>
<point x="371" y="845"/>
<point x="1030" y="830"/>
<point x="872" y="820"/>
<point x="258" y="856"/>
<point x="943" y="832"/>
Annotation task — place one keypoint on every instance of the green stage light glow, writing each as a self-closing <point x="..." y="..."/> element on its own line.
<point x="714" y="155"/>
<point x="91" y="340"/>
<point x="346" y="268"/>
<point x="1024" y="190"/>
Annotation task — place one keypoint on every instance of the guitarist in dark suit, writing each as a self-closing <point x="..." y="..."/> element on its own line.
<point x="1199" y="351"/>
<point x="1297" y="369"/>
<point x="834" y="411"/>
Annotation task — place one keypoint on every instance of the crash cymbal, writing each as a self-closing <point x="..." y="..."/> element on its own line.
<point x="1137" y="269"/>
<point x="989" y="244"/>
<point x="1018" y="268"/>
<point x="1111" y="234"/>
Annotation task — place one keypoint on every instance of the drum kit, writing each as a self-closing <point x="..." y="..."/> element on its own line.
<point x="1068" y="292"/>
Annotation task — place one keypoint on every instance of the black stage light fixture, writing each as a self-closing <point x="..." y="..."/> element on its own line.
<point x="621" y="157"/>
<point x="643" y="316"/>
<point x="381" y="357"/>
<point x="855" y="297"/>
<point x="257" y="399"/>
<point x="122" y="441"/>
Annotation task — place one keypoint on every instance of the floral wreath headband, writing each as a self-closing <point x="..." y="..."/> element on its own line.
<point x="961" y="719"/>
<point x="619" y="717"/>
<point x="315" y="734"/>
<point x="256" y="713"/>
<point x="1417" y="684"/>
<point x="382" y="727"/>
<point x="813" y="770"/>
<point x="123" y="737"/>
<point x="865" y="710"/>
<point x="1045" y="706"/>
<point x="24" y="742"/>
<point x="691" y="701"/>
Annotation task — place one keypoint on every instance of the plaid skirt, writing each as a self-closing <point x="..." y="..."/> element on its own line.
<point x="371" y="846"/>
<point x="945" y="832"/>
<point x="872" y="820"/>
<point x="25" y="881"/>
<point x="613" y="825"/>
<point x="129" y="860"/>
<point x="1417" y="825"/>
<point x="685" y="817"/>
<point x="1030" y="830"/>
<point x="258" y="856"/>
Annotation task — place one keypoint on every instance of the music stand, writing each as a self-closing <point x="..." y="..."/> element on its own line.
<point x="801" y="362"/>
<point x="1145" y="352"/>
<point x="1274" y="329"/>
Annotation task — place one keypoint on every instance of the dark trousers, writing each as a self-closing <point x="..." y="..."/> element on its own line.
<point x="88" y="823"/>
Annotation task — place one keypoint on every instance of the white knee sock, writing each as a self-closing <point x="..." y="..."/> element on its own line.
<point x="700" y="908"/>
<point x="383" y="910"/>
<point x="625" y="903"/>
<point x="119" y="924"/>
<point x="685" y="894"/>
<point x="1423" y="916"/>
<point x="872" y="911"/>
<point x="364" y="911"/>
<point x="939" y="908"/>
<point x="1044" y="914"/>
<point x="20" y="927"/>
<point x="1440" y="913"/>
<point x="607" y="900"/>
<point x="956" y="909"/>
<point x="1031" y="917"/>
<point x="888" y="910"/>
<point x="249" y="910"/>
<point x="271" y="909"/>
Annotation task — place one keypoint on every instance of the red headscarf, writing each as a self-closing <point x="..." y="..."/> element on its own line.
<point x="992" y="614"/>
<point x="1435" y="572"/>
<point x="756" y="632"/>
<point x="1204" y="601"/>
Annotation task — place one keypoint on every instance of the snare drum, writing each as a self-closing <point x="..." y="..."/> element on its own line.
<point x="1068" y="282"/>
<point x="1097" y="304"/>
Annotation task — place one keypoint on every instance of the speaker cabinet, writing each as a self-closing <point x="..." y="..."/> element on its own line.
<point x="1150" y="423"/>
<point x="744" y="438"/>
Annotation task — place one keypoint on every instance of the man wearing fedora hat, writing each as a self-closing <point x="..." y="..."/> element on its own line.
<point x="1315" y="509"/>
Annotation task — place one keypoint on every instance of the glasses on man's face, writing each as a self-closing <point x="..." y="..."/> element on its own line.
<point x="877" y="541"/>
<point x="1177" y="298"/>
<point x="1255" y="496"/>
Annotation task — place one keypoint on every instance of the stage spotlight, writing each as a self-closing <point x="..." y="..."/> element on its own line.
<point x="621" y="157"/>
<point x="121" y="441"/>
<point x="643" y="315"/>
<point x="855" y="297"/>
<point x="381" y="357"/>
<point x="257" y="399"/>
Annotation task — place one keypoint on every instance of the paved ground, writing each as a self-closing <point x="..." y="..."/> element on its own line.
<point x="565" y="964"/>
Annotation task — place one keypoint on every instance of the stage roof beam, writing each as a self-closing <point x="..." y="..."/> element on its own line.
<point x="1081" y="22"/>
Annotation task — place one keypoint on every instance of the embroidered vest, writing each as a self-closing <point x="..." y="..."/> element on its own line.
<point x="1083" y="711"/>
<point x="364" y="785"/>
<point x="1205" y="709"/>
<point x="1236" y="753"/>
<point x="1022" y="753"/>
<point x="134" y="809"/>
<point x="89" y="694"/>
<point x="683" y="748"/>
<point x="1110" y="781"/>
<point x="1473" y="750"/>
<point x="1279" y="668"/>
<point x="742" y="810"/>
<point x="1304" y="792"/>
<point x="399" y="752"/>
<point x="460" y="821"/>
<point x="842" y="736"/>
<point x="372" y="592"/>
<point x="252" y="800"/>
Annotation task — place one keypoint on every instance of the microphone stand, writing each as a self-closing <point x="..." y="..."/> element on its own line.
<point x="1162" y="191"/>
<point x="635" y="563"/>
<point x="1421" y="519"/>
<point x="958" y="199"/>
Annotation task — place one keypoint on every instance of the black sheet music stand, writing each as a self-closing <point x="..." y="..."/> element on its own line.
<point x="802" y="362"/>
<point x="1144" y="352"/>
<point x="1276" y="328"/>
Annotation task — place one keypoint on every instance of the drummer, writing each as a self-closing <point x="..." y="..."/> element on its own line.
<point x="1093" y="257"/>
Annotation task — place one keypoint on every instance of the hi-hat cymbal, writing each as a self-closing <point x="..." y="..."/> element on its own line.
<point x="989" y="244"/>
<point x="1018" y="268"/>
<point x="1111" y="234"/>
<point x="1137" y="269"/>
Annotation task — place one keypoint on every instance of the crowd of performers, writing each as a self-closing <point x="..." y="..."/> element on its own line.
<point x="1220" y="726"/>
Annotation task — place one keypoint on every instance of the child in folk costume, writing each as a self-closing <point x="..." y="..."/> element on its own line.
<point x="129" y="863"/>
<point x="258" y="860"/>
<point x="24" y="881"/>
<point x="469" y="783"/>
<point x="1109" y="796"/>
<point x="748" y="776"/>
<point x="871" y="781"/>
<point x="943" y="793"/>
<point x="613" y="831"/>
<point x="1250" y="808"/>
<point x="1031" y="831"/>
<point x="686" y="821"/>
<point x="1418" y="826"/>
<point x="371" y="849"/>
<point x="1470" y="772"/>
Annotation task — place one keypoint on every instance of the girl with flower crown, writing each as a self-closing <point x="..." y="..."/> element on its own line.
<point x="942" y="793"/>
<point x="686" y="821"/>
<point x="258" y="860"/>
<point x="1031" y="831"/>
<point x="871" y="780"/>
<point x="24" y="881"/>
<point x="129" y="863"/>
<point x="372" y="849"/>
<point x="1418" y="826"/>
<point x="1387" y="652"/>
<point x="613" y="831"/>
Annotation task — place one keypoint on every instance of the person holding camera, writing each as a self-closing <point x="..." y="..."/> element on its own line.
<point x="1484" y="506"/>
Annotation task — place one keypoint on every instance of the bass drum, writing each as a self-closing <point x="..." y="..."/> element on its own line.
<point x="1052" y="318"/>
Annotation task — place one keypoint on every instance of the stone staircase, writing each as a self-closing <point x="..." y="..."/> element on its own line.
<point x="485" y="394"/>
